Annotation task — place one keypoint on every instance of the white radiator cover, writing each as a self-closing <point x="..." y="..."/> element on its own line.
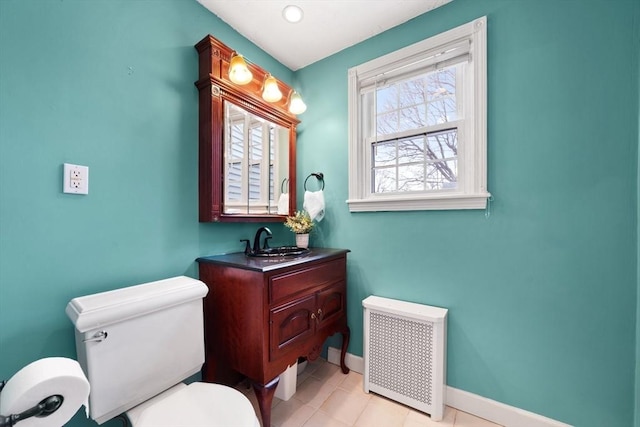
<point x="405" y="353"/>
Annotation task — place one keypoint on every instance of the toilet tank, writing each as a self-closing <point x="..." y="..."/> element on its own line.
<point x="136" y="342"/>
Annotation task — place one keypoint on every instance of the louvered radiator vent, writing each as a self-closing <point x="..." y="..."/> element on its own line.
<point x="405" y="353"/>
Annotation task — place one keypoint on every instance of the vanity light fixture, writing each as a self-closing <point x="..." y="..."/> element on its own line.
<point x="239" y="73"/>
<point x="296" y="104"/>
<point x="292" y="14"/>
<point x="271" y="91"/>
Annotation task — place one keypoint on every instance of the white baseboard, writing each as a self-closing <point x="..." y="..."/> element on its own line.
<point x="355" y="363"/>
<point x="496" y="412"/>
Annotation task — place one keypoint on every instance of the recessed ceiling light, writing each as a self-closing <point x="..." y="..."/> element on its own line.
<point x="292" y="13"/>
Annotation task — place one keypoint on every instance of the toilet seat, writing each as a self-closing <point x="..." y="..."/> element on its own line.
<point x="195" y="405"/>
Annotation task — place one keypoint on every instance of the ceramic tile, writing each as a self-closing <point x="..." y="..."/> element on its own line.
<point x="345" y="407"/>
<point x="329" y="373"/>
<point x="420" y="419"/>
<point x="381" y="412"/>
<point x="303" y="377"/>
<point x="312" y="366"/>
<point x="314" y="392"/>
<point x="291" y="413"/>
<point x="464" y="419"/>
<point x="322" y="419"/>
<point x="352" y="383"/>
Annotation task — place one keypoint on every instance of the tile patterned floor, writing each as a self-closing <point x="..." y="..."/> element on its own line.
<point x="327" y="398"/>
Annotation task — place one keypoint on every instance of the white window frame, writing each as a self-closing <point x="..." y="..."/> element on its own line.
<point x="471" y="192"/>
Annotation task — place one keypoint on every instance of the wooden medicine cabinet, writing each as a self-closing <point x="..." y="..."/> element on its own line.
<point x="247" y="146"/>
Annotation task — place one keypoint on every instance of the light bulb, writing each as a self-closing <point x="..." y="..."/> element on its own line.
<point x="292" y="14"/>
<point x="296" y="105"/>
<point x="239" y="73"/>
<point x="271" y="92"/>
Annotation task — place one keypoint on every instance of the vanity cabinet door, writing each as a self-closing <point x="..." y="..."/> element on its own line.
<point x="331" y="304"/>
<point x="291" y="324"/>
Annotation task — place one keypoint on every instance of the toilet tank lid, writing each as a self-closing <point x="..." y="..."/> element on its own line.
<point x="94" y="311"/>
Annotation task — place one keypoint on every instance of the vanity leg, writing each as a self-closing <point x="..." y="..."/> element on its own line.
<point x="346" y="334"/>
<point x="264" y="393"/>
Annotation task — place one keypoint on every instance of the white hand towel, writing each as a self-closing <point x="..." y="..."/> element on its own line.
<point x="283" y="204"/>
<point x="314" y="204"/>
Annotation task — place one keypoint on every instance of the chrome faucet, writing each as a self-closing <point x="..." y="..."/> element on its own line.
<point x="256" y="239"/>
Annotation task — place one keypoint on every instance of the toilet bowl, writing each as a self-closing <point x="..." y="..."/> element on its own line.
<point x="195" y="405"/>
<point x="137" y="345"/>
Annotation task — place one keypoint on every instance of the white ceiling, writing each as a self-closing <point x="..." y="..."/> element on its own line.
<point x="327" y="27"/>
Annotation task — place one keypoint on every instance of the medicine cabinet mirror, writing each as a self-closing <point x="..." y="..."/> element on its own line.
<point x="247" y="146"/>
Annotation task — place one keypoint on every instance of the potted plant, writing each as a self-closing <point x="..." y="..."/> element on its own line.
<point x="301" y="224"/>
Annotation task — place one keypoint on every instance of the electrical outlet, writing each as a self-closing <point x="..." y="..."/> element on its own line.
<point x="75" y="179"/>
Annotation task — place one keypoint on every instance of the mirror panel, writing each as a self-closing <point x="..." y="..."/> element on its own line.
<point x="256" y="163"/>
<point x="247" y="146"/>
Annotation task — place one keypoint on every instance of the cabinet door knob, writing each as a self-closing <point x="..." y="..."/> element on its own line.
<point x="320" y="314"/>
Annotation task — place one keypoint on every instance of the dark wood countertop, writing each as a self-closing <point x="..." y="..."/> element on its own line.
<point x="240" y="260"/>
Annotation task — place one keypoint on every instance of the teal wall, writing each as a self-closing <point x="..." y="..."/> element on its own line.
<point x="107" y="84"/>
<point x="637" y="394"/>
<point x="543" y="294"/>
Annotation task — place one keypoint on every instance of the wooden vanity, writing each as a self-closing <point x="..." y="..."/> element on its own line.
<point x="261" y="314"/>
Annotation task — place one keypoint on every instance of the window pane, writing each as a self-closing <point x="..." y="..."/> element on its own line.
<point x="411" y="150"/>
<point x="384" y="180"/>
<point x="411" y="92"/>
<point x="442" y="83"/>
<point x="419" y="163"/>
<point x="384" y="154"/>
<point x="413" y="117"/>
<point x="417" y="102"/>
<point x="411" y="178"/>
<point x="442" y="145"/>
<point x="387" y="123"/>
<point x="387" y="99"/>
<point x="442" y="111"/>
<point x="442" y="175"/>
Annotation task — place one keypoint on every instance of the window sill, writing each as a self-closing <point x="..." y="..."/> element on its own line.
<point x="439" y="202"/>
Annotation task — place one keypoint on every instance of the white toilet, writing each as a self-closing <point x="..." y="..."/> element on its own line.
<point x="136" y="345"/>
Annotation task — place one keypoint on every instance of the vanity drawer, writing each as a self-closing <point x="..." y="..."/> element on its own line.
<point x="294" y="282"/>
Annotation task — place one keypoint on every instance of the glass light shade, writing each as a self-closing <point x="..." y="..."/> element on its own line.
<point x="292" y="14"/>
<point x="296" y="105"/>
<point x="239" y="73"/>
<point x="271" y="92"/>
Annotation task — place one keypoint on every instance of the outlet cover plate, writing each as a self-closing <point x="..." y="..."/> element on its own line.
<point x="75" y="179"/>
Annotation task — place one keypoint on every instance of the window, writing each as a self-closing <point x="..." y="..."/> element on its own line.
<point x="417" y="119"/>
